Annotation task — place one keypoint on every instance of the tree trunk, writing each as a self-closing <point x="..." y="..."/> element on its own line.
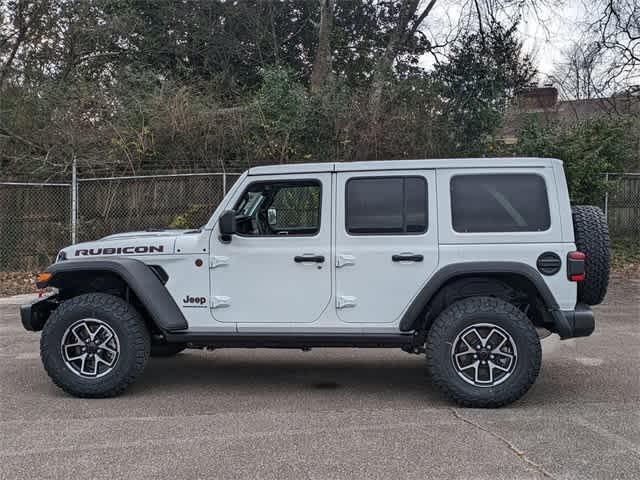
<point x="321" y="73"/>
<point x="407" y="24"/>
<point x="274" y="36"/>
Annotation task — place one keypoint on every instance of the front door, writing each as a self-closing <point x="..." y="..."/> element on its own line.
<point x="386" y="242"/>
<point x="276" y="269"/>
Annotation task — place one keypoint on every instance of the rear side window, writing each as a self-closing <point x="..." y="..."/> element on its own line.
<point x="499" y="203"/>
<point x="386" y="205"/>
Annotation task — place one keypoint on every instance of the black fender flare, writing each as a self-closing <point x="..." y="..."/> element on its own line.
<point x="138" y="277"/>
<point x="442" y="276"/>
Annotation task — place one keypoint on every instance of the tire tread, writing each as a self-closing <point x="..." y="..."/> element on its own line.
<point x="438" y="334"/>
<point x="133" y="326"/>
<point x="592" y="237"/>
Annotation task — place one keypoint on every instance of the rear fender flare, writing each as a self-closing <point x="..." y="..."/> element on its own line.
<point x="411" y="316"/>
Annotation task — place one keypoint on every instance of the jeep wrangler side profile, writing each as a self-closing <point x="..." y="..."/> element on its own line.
<point x="462" y="259"/>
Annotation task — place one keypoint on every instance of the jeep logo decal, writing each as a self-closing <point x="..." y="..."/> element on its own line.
<point x="190" y="301"/>
<point x="120" y="250"/>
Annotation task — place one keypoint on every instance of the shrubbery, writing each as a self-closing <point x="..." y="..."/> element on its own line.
<point x="589" y="148"/>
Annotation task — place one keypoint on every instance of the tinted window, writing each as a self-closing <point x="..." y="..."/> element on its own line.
<point x="279" y="208"/>
<point x="499" y="203"/>
<point x="386" y="205"/>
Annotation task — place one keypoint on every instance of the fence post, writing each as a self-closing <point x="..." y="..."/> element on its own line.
<point x="224" y="184"/>
<point x="74" y="201"/>
<point x="606" y="197"/>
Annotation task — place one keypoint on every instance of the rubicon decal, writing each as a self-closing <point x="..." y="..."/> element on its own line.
<point x="140" y="249"/>
<point x="190" y="301"/>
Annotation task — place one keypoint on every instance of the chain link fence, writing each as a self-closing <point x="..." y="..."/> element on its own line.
<point x="36" y="219"/>
<point x="622" y="207"/>
<point x="112" y="205"/>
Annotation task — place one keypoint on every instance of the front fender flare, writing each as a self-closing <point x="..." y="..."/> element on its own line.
<point x="138" y="277"/>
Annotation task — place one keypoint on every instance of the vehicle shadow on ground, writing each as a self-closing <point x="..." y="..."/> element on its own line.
<point x="392" y="376"/>
<point x="268" y="372"/>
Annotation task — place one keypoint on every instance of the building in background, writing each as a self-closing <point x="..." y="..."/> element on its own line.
<point x="543" y="104"/>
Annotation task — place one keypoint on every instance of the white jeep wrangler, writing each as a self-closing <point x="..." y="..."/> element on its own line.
<point x="462" y="259"/>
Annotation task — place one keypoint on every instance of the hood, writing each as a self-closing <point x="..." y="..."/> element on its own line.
<point x="137" y="244"/>
<point x="150" y="233"/>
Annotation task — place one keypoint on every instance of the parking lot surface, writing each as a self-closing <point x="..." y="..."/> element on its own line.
<point x="328" y="413"/>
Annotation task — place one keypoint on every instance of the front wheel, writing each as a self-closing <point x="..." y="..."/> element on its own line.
<point x="483" y="352"/>
<point x="94" y="345"/>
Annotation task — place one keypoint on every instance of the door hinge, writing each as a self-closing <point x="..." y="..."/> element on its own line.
<point x="217" y="261"/>
<point x="344" y="301"/>
<point x="220" y="302"/>
<point x="344" y="260"/>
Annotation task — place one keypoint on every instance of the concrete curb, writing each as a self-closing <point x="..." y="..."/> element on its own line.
<point x="18" y="299"/>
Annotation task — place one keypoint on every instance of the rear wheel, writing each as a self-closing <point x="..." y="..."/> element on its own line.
<point x="483" y="352"/>
<point x="94" y="345"/>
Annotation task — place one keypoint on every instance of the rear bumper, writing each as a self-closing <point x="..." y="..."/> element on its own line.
<point x="574" y="323"/>
<point x="34" y="315"/>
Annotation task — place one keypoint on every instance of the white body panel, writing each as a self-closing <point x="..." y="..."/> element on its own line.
<point x="563" y="290"/>
<point x="257" y="286"/>
<point x="255" y="279"/>
<point x="377" y="288"/>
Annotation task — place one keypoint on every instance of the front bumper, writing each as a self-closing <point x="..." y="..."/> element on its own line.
<point x="34" y="315"/>
<point x="574" y="323"/>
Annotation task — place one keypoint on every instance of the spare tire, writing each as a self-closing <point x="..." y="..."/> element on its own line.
<point x="592" y="238"/>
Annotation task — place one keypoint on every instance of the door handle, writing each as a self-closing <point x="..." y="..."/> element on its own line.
<point x="407" y="257"/>
<point x="308" y="258"/>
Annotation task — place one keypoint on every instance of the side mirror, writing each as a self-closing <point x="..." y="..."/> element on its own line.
<point x="272" y="216"/>
<point x="227" y="225"/>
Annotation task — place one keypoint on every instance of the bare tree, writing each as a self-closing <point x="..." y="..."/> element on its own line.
<point x="616" y="34"/>
<point x="408" y="22"/>
<point x="577" y="74"/>
<point x="321" y="72"/>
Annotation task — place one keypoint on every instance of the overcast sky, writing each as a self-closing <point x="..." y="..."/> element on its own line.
<point x="547" y="38"/>
<point x="545" y="35"/>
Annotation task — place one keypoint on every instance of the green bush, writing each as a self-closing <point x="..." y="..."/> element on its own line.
<point x="589" y="149"/>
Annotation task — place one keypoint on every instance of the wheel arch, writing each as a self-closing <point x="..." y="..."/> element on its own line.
<point x="510" y="281"/>
<point x="129" y="278"/>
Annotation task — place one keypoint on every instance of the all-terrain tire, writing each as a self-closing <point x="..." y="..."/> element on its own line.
<point x="133" y="343"/>
<point x="592" y="238"/>
<point x="459" y="317"/>
<point x="166" y="349"/>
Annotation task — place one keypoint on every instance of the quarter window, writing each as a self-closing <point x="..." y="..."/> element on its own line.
<point x="386" y="205"/>
<point x="279" y="208"/>
<point x="499" y="203"/>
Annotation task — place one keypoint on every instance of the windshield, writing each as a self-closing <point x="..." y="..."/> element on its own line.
<point x="250" y="203"/>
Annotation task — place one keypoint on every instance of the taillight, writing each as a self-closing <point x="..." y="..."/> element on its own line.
<point x="575" y="266"/>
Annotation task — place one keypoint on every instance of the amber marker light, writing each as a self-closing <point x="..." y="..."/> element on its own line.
<point x="43" y="277"/>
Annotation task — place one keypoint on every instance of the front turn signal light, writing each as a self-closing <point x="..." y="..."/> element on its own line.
<point x="42" y="279"/>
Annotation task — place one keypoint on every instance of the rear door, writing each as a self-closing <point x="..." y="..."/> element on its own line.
<point x="386" y="242"/>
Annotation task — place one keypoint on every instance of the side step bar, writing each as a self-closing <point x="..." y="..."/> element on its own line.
<point x="290" y="340"/>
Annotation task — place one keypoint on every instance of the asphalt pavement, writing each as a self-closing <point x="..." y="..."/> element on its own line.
<point x="328" y="413"/>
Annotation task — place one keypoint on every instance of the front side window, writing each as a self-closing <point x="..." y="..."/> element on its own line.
<point x="499" y="203"/>
<point x="279" y="208"/>
<point x="386" y="205"/>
